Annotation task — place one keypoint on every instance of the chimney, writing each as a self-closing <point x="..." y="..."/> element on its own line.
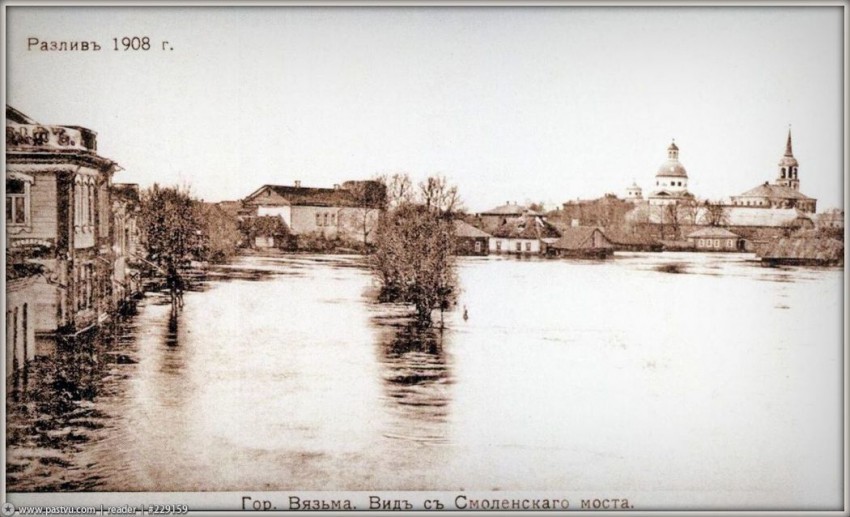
<point x="297" y="183"/>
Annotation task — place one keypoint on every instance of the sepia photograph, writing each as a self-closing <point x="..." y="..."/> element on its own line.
<point x="413" y="256"/>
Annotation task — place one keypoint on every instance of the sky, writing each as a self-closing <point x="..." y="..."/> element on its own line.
<point x="525" y="104"/>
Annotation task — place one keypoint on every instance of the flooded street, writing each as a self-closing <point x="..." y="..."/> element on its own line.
<point x="715" y="376"/>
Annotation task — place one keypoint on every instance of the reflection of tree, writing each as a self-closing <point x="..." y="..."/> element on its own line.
<point x="416" y="379"/>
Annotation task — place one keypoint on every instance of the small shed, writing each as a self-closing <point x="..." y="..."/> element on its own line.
<point x="582" y="242"/>
<point x="803" y="251"/>
<point x="469" y="240"/>
<point x="715" y="239"/>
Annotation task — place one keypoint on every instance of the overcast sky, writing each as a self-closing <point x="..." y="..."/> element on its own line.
<point x="520" y="104"/>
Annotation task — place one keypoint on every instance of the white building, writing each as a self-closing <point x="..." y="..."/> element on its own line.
<point x="671" y="180"/>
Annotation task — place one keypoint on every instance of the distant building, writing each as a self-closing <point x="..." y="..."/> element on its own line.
<point x="469" y="240"/>
<point x="634" y="193"/>
<point x="715" y="239"/>
<point x="347" y="211"/>
<point x="21" y="299"/>
<point x="59" y="215"/>
<point x="671" y="180"/>
<point x="525" y="235"/>
<point x="785" y="190"/>
<point x="832" y="218"/>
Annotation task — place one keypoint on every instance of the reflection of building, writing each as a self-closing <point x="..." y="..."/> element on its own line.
<point x="785" y="190"/>
<point x="671" y="180"/>
<point x="349" y="210"/>
<point x="20" y="312"/>
<point x="58" y="214"/>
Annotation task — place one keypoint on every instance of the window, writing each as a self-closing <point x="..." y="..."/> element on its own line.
<point x="702" y="243"/>
<point x="477" y="246"/>
<point x="333" y="219"/>
<point x="716" y="243"/>
<point x="318" y="219"/>
<point x="326" y="219"/>
<point x="498" y="245"/>
<point x="527" y="246"/>
<point x="519" y="246"/>
<point x="17" y="202"/>
<point x="730" y="243"/>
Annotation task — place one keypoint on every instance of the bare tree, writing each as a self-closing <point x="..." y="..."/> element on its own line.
<point x="369" y="197"/>
<point x="714" y="214"/>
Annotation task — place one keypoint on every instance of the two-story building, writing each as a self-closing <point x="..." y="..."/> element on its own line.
<point x="58" y="214"/>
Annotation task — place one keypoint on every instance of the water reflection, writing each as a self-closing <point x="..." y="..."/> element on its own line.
<point x="416" y="379"/>
<point x="51" y="415"/>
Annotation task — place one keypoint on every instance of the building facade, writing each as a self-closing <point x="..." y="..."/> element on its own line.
<point x="58" y="215"/>
<point x="349" y="211"/>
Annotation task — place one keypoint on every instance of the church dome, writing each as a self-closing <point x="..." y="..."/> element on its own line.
<point x="672" y="168"/>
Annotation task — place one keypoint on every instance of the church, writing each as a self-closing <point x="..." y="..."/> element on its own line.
<point x="785" y="190"/>
<point x="671" y="180"/>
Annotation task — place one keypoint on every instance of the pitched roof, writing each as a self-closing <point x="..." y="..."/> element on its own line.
<point x="464" y="229"/>
<point x="774" y="191"/>
<point x="527" y="227"/>
<point x="311" y="196"/>
<point x="579" y="238"/>
<point x="714" y="233"/>
<point x="804" y="248"/>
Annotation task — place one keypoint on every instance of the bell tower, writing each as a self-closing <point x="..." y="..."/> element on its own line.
<point x="788" y="165"/>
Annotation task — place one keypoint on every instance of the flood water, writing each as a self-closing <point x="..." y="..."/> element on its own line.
<point x="657" y="376"/>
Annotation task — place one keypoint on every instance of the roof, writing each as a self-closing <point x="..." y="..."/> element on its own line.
<point x="464" y="229"/>
<point x="310" y="196"/>
<point x="774" y="192"/>
<point x="579" y="238"/>
<point x="618" y="236"/>
<point x="673" y="146"/>
<point x="713" y="232"/>
<point x="672" y="167"/>
<point x="527" y="227"/>
<point x="769" y="217"/>
<point x="13" y="115"/>
<point x="804" y="248"/>
<point x="510" y="209"/>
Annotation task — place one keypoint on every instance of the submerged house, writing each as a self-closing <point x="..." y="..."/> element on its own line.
<point x="525" y="235"/>
<point x="582" y="242"/>
<point x="803" y="251"/>
<point x="715" y="239"/>
<point x="469" y="240"/>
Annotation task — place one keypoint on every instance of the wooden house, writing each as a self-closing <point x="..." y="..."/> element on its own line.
<point x="59" y="215"/>
<point x="715" y="239"/>
<point x="469" y="240"/>
<point x="582" y="242"/>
